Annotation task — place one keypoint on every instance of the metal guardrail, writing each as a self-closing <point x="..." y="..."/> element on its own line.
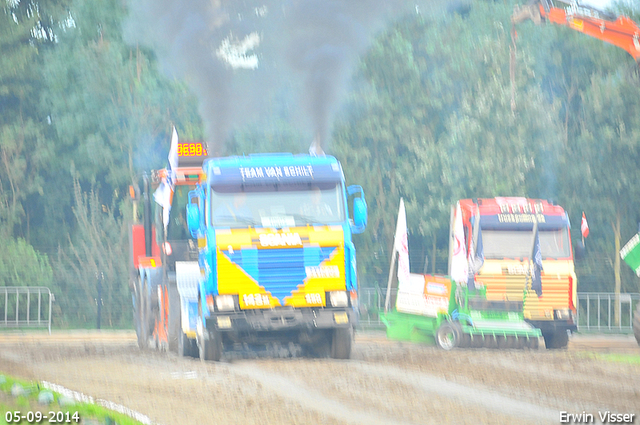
<point x="371" y="301"/>
<point x="595" y="310"/>
<point x="25" y="307"/>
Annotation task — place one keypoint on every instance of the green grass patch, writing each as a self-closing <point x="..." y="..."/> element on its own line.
<point x="633" y="359"/>
<point x="27" y="404"/>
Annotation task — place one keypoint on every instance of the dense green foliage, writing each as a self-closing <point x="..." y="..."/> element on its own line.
<point x="431" y="116"/>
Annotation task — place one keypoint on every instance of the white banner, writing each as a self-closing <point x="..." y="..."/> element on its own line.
<point x="459" y="265"/>
<point x="401" y="245"/>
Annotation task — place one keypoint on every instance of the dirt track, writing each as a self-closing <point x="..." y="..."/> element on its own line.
<point x="385" y="382"/>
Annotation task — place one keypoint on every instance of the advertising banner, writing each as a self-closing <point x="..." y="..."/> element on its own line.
<point x="426" y="295"/>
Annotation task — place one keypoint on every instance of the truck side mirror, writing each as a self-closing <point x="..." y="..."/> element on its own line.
<point x="359" y="209"/>
<point x="193" y="219"/>
<point x="359" y="215"/>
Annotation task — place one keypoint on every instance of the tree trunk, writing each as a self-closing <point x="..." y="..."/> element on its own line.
<point x="616" y="269"/>
<point x="433" y="262"/>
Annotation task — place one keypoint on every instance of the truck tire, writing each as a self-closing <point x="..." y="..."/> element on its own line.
<point x="556" y="339"/>
<point x="174" y="331"/>
<point x="636" y="323"/>
<point x="341" y="343"/>
<point x="183" y="346"/>
<point x="210" y="349"/>
<point x="187" y="347"/>
<point x="209" y="340"/>
<point x="448" y="335"/>
<point x="140" y="314"/>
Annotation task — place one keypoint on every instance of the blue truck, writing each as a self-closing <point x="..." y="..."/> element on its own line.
<point x="276" y="255"/>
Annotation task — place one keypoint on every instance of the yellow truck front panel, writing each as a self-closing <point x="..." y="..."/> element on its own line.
<point x="269" y="268"/>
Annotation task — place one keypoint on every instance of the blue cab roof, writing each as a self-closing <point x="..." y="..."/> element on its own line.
<point x="277" y="168"/>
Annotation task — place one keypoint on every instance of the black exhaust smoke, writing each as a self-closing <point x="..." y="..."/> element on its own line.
<point x="235" y="54"/>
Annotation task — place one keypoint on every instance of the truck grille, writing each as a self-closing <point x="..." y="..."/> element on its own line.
<point x="279" y="271"/>
<point x="555" y="293"/>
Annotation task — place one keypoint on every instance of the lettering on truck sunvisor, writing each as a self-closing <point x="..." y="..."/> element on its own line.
<point x="249" y="173"/>
<point x="274" y="175"/>
<point x="522" y="222"/>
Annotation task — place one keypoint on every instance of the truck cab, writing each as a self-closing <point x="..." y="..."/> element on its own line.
<point x="277" y="259"/>
<point x="506" y="225"/>
<point x="164" y="255"/>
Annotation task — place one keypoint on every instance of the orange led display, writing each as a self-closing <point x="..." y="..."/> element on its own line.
<point x="192" y="149"/>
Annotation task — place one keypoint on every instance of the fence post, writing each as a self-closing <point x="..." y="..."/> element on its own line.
<point x="39" y="304"/>
<point x="50" y="304"/>
<point x="588" y="312"/>
<point x="99" y="276"/>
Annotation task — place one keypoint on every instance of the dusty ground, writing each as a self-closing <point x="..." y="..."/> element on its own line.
<point x="385" y="382"/>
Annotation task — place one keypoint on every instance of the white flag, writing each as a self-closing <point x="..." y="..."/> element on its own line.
<point x="162" y="196"/>
<point x="401" y="245"/>
<point x="164" y="193"/>
<point x="459" y="265"/>
<point x="173" y="158"/>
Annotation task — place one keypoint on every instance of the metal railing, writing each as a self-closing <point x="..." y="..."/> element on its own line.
<point x="371" y="301"/>
<point x="595" y="310"/>
<point x="25" y="307"/>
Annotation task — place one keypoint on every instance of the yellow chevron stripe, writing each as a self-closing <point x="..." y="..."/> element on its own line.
<point x="320" y="285"/>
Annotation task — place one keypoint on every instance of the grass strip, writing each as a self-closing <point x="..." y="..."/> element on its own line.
<point x="25" y="400"/>
<point x="632" y="359"/>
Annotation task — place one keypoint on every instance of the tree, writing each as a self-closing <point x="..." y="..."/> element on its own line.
<point x="23" y="151"/>
<point x="94" y="254"/>
<point x="111" y="112"/>
<point x="606" y="154"/>
<point x="21" y="265"/>
<point x="434" y="121"/>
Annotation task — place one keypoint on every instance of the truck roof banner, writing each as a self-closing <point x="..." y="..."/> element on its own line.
<point x="630" y="253"/>
<point x="231" y="177"/>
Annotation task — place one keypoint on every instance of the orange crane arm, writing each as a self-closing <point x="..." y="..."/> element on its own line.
<point x="619" y="31"/>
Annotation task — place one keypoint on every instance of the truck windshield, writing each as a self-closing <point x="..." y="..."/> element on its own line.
<point x="177" y="228"/>
<point x="517" y="244"/>
<point x="285" y="207"/>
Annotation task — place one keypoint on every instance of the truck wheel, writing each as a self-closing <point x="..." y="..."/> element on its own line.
<point x="636" y="323"/>
<point x="557" y="339"/>
<point x="193" y="349"/>
<point x="174" y="330"/>
<point x="183" y="345"/>
<point x="140" y="316"/>
<point x="210" y="349"/>
<point x="187" y="347"/>
<point x="448" y="336"/>
<point x="341" y="343"/>
<point x="209" y="340"/>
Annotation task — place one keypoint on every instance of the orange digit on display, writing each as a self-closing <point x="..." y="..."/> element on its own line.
<point x="179" y="149"/>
